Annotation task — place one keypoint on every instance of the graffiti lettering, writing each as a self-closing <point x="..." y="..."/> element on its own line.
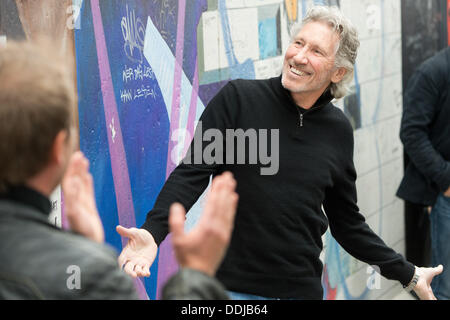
<point x="144" y="92"/>
<point x="128" y="95"/>
<point x="141" y="72"/>
<point x="127" y="74"/>
<point x="133" y="31"/>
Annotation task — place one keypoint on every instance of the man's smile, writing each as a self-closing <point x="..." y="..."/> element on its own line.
<point x="299" y="72"/>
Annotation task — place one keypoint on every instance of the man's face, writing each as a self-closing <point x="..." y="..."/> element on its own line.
<point x="309" y="63"/>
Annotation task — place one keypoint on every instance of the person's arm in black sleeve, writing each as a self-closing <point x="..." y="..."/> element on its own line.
<point x="421" y="103"/>
<point x="348" y="226"/>
<point x="191" y="177"/>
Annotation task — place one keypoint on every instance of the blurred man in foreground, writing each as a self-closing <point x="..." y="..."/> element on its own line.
<point x="38" y="139"/>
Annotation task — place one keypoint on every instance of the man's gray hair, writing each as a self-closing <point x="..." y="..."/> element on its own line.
<point x="348" y="45"/>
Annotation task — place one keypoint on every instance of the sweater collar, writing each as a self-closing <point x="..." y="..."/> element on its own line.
<point x="323" y="100"/>
<point x="29" y="197"/>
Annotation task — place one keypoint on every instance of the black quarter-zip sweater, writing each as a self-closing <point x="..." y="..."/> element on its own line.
<point x="277" y="237"/>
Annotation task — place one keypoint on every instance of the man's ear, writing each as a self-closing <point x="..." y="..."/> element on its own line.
<point x="338" y="75"/>
<point x="59" y="147"/>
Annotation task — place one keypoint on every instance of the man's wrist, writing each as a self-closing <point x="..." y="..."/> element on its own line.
<point x="412" y="284"/>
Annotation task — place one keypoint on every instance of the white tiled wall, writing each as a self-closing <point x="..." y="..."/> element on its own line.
<point x="378" y="150"/>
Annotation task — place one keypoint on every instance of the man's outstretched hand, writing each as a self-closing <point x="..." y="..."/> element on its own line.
<point x="204" y="247"/>
<point x="423" y="287"/>
<point x="79" y="199"/>
<point x="139" y="253"/>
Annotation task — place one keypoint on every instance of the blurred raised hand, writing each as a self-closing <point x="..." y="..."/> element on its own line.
<point x="79" y="199"/>
<point x="204" y="247"/>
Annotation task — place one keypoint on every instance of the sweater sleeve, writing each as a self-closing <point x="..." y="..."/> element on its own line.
<point x="421" y="106"/>
<point x="349" y="228"/>
<point x="191" y="177"/>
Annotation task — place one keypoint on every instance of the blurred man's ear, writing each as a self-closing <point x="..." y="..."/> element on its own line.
<point x="338" y="75"/>
<point x="59" y="149"/>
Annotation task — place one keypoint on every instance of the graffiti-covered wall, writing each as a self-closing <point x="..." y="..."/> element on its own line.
<point x="146" y="70"/>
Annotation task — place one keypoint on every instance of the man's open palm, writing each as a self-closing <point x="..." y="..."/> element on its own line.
<point x="139" y="253"/>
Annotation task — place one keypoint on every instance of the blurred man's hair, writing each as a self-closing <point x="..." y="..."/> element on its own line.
<point x="37" y="98"/>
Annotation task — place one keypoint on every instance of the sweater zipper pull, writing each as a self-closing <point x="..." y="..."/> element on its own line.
<point x="301" y="119"/>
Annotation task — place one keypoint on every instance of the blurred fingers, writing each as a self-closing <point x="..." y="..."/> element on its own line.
<point x="138" y="270"/>
<point x="176" y="220"/>
<point x="147" y="270"/>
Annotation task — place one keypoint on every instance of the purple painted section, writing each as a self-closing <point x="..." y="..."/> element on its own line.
<point x="208" y="91"/>
<point x="167" y="264"/>
<point x="192" y="108"/>
<point x="175" y="113"/>
<point x="119" y="165"/>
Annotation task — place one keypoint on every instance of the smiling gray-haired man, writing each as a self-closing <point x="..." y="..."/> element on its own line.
<point x="276" y="243"/>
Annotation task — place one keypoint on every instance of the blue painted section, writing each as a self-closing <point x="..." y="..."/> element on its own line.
<point x="143" y="115"/>
<point x="93" y="135"/>
<point x="267" y="38"/>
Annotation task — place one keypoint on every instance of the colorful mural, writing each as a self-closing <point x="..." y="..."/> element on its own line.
<point x="147" y="69"/>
